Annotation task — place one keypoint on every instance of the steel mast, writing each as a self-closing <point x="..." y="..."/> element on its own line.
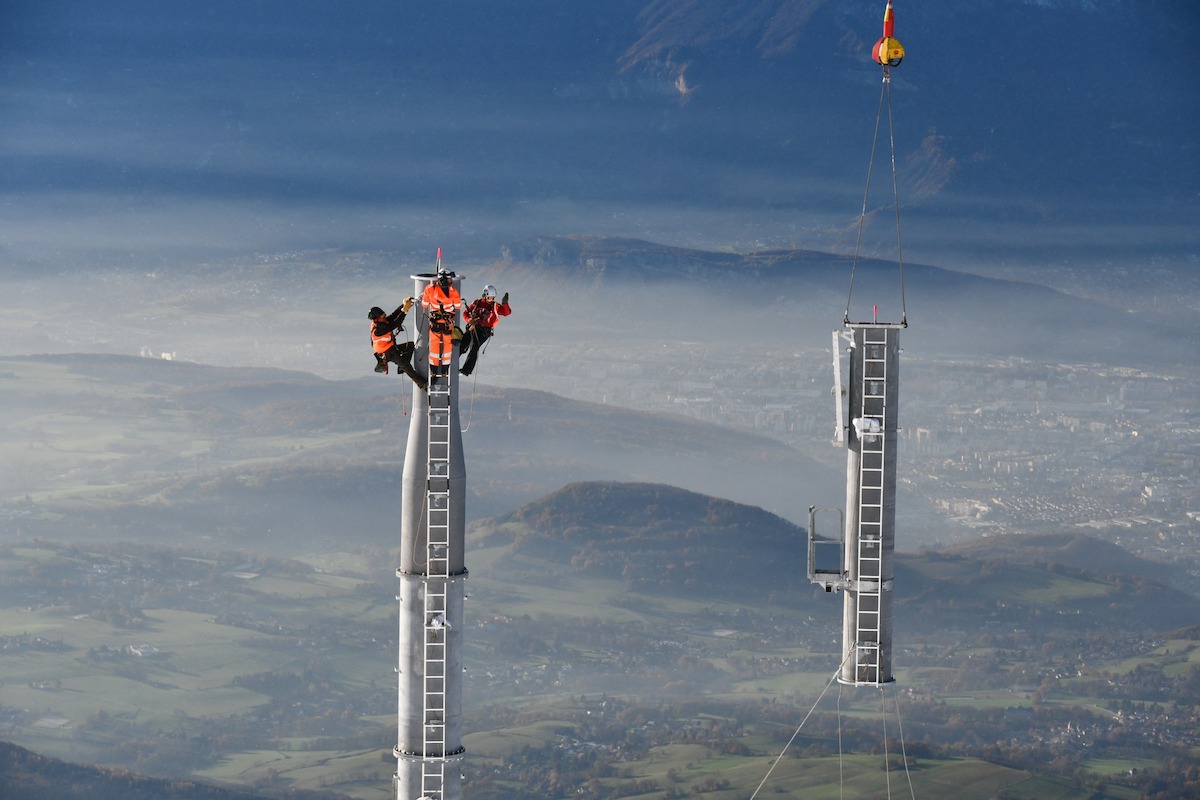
<point x="858" y="558"/>
<point x="432" y="577"/>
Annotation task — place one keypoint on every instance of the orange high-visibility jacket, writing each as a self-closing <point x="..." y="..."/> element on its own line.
<point x="434" y="299"/>
<point x="438" y="302"/>
<point x="381" y="342"/>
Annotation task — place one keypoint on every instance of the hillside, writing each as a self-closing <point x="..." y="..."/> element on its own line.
<point x="656" y="538"/>
<point x="105" y="447"/>
<point x="28" y="776"/>
<point x="662" y="541"/>
<point x="1078" y="551"/>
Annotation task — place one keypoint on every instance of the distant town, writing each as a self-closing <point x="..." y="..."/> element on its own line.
<point x="995" y="446"/>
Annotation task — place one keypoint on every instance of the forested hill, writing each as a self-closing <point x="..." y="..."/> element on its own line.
<point x="25" y="775"/>
<point x="665" y="541"/>
<point x="659" y="538"/>
<point x="605" y="507"/>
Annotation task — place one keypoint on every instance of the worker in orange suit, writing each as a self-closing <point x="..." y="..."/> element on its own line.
<point x="442" y="303"/>
<point x="387" y="347"/>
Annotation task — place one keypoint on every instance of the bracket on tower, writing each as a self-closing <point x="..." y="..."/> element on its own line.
<point x="826" y="553"/>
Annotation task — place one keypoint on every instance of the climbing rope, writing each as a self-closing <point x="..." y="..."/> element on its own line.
<point x="474" y="379"/>
<point x="841" y="766"/>
<point x="885" y="93"/>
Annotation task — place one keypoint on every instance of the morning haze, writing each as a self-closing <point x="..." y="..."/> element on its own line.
<point x="201" y="471"/>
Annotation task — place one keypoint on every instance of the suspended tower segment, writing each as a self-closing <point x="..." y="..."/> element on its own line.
<point x="873" y="389"/>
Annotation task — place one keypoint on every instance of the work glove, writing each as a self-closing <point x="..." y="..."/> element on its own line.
<point x="504" y="300"/>
<point x="408" y="304"/>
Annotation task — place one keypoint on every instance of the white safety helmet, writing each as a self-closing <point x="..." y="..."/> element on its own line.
<point x="489" y="292"/>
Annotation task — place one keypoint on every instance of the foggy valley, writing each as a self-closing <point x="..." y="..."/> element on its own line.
<point x="200" y="522"/>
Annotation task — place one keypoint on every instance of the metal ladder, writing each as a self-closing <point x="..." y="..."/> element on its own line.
<point x="437" y="516"/>
<point x="869" y="569"/>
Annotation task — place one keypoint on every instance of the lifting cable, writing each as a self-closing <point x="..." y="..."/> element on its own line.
<point x="841" y="770"/>
<point x="796" y="733"/>
<point x="887" y="771"/>
<point x="884" y="93"/>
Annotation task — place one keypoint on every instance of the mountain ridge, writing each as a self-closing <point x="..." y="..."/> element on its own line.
<point x="992" y="317"/>
<point x="264" y="455"/>
<point x="752" y="115"/>
<point x="657" y="537"/>
<point x="661" y="539"/>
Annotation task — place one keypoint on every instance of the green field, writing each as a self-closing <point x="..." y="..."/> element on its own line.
<point x="81" y="694"/>
<point x="81" y="689"/>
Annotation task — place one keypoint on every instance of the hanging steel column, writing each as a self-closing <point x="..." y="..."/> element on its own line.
<point x="871" y="437"/>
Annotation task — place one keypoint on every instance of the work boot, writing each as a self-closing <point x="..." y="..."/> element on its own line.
<point x="381" y="366"/>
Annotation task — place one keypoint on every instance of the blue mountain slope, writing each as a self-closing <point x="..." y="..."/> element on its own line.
<point x="1038" y="114"/>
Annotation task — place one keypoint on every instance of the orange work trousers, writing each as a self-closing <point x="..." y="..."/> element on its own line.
<point x="441" y="349"/>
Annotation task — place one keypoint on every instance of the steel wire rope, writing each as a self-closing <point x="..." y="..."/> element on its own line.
<point x="885" y="93"/>
<point x="796" y="733"/>
<point x="900" y="729"/>
<point x="896" y="199"/>
<point x="903" y="750"/>
<point x="841" y="768"/>
<point x="887" y="770"/>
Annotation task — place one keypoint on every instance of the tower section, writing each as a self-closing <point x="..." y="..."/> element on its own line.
<point x="857" y="559"/>
<point x="432" y="575"/>
<point x="873" y="392"/>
